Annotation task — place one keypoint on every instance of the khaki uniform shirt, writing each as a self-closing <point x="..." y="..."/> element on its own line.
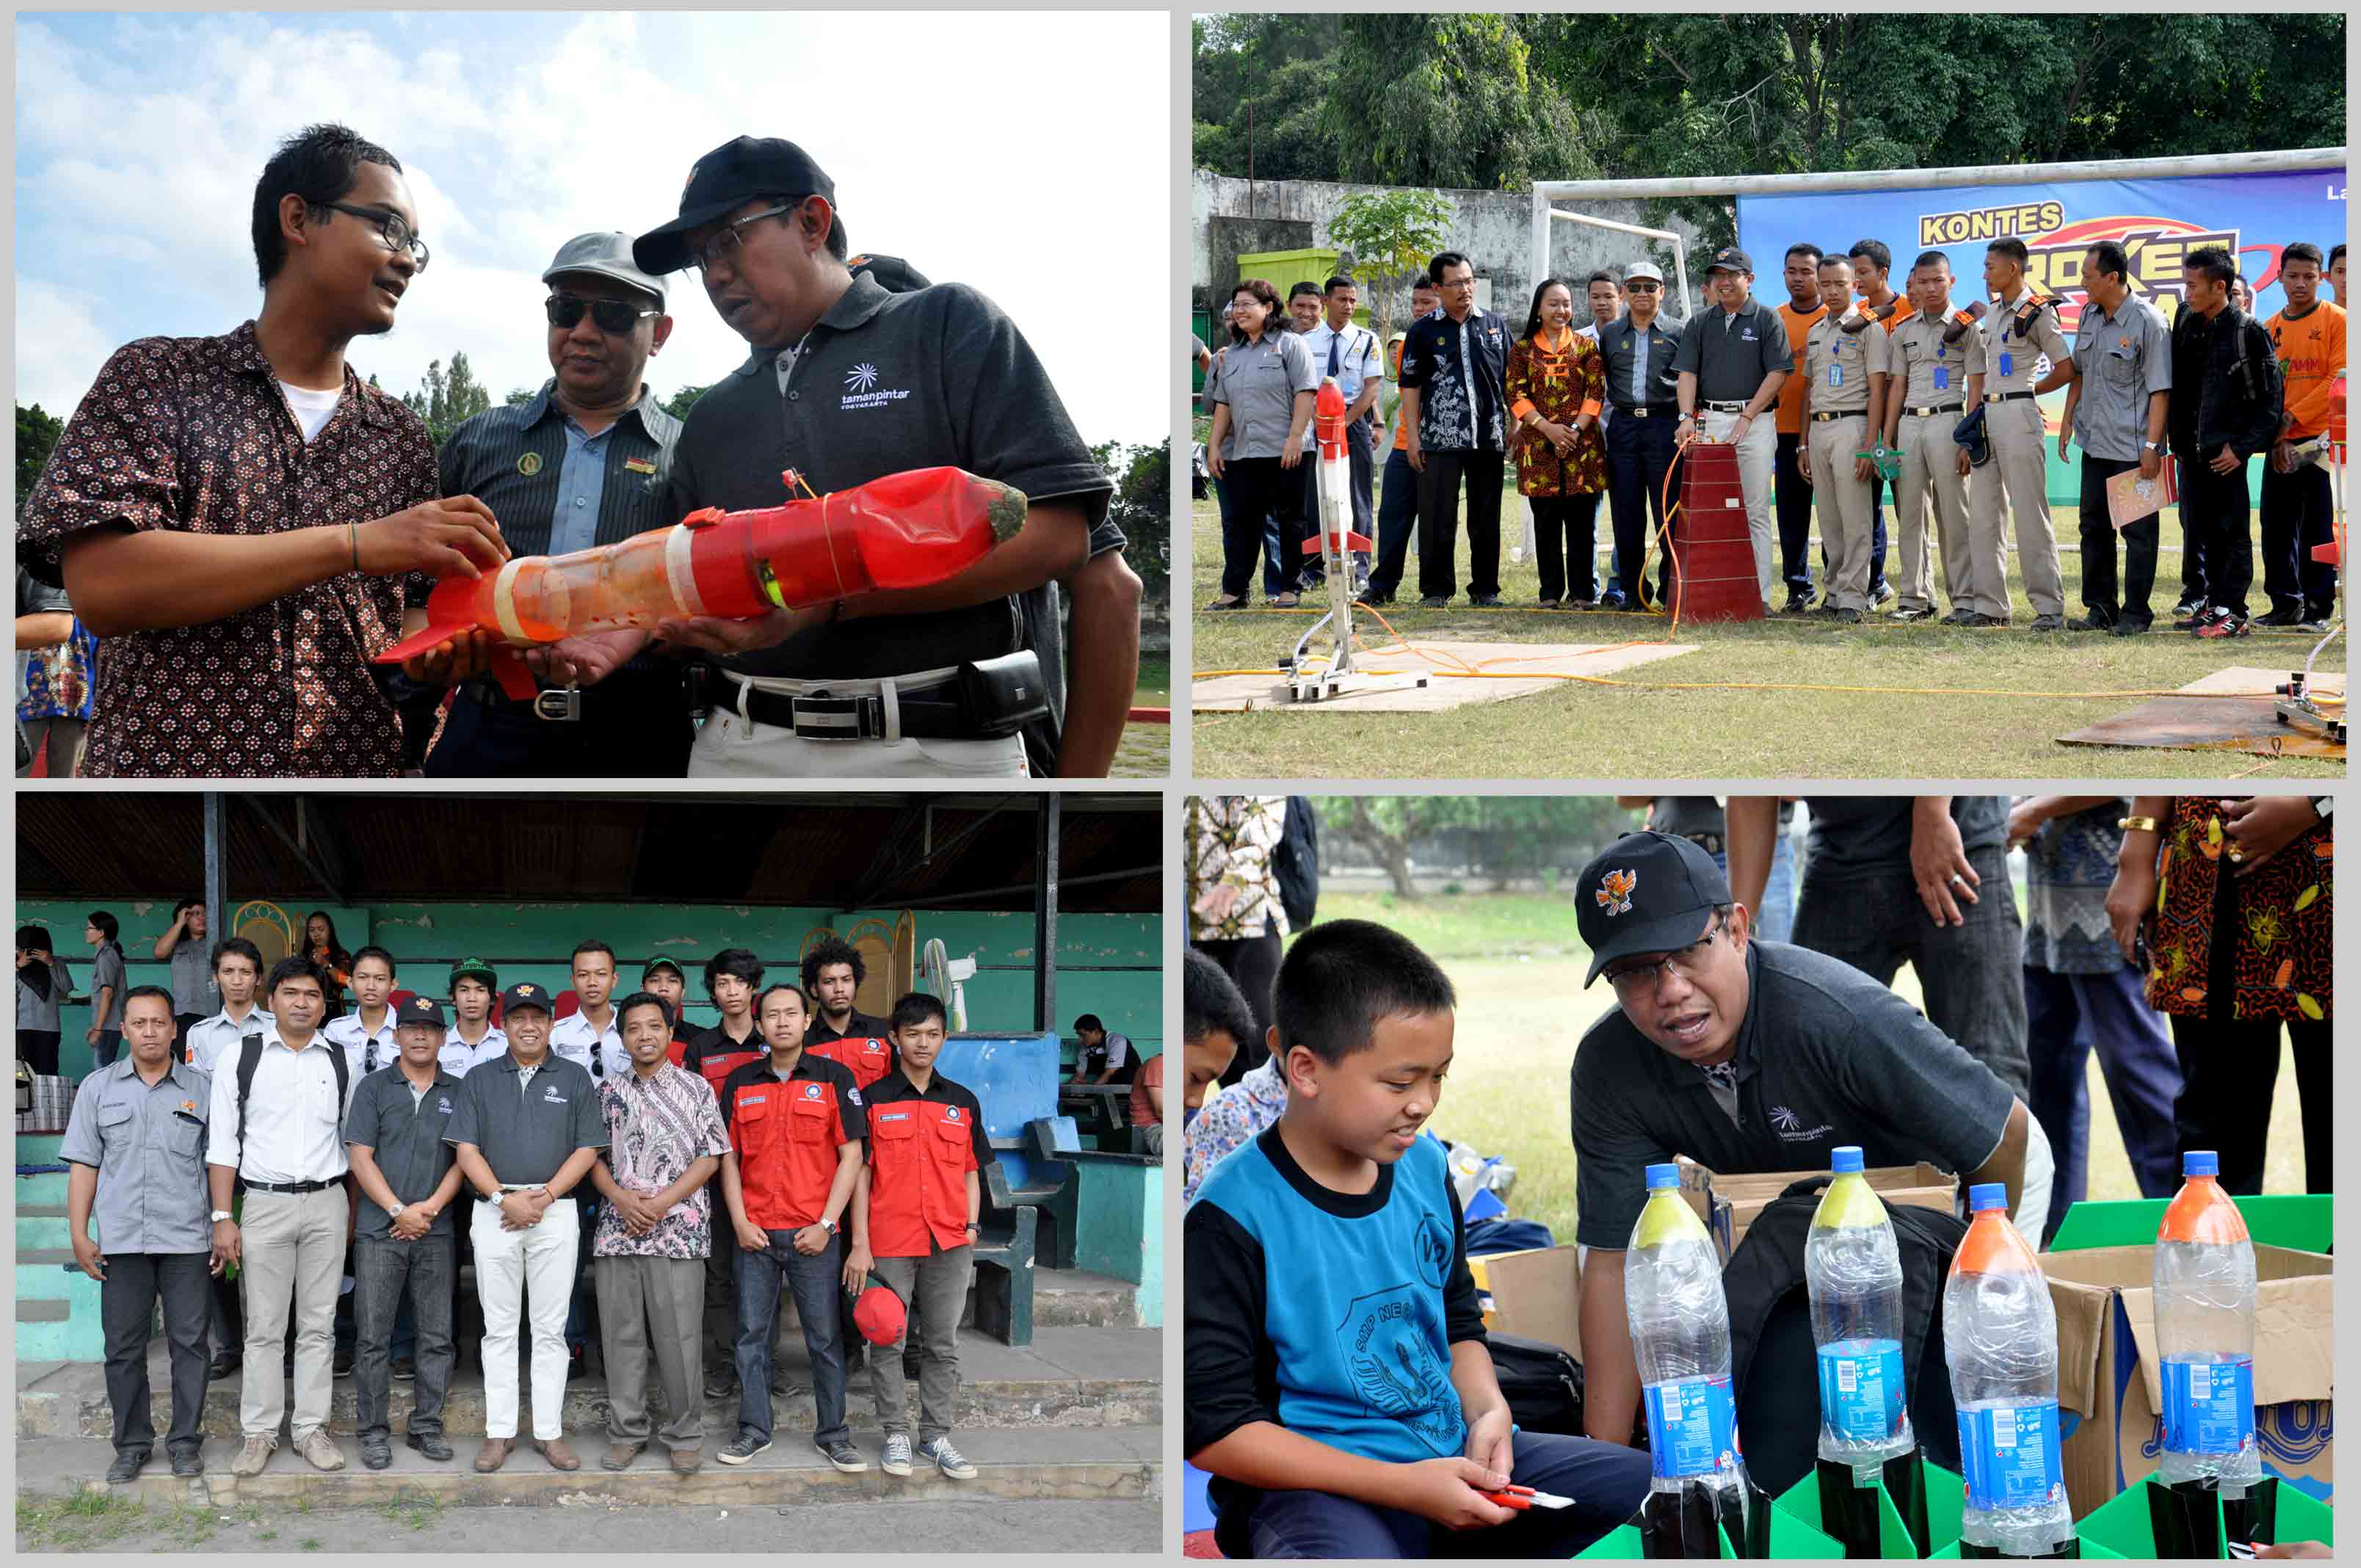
<point x="1837" y="367"/>
<point x="2012" y="358"/>
<point x="1918" y="352"/>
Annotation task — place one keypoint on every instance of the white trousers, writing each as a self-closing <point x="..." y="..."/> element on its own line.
<point x="512" y="1269"/>
<point x="733" y="746"/>
<point x="1757" y="454"/>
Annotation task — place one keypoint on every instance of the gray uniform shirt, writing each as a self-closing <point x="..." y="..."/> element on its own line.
<point x="403" y="1132"/>
<point x="530" y="465"/>
<point x="193" y="988"/>
<point x="1838" y="365"/>
<point x="1731" y="356"/>
<point x="1918" y="352"/>
<point x="1259" y="382"/>
<point x="2013" y="359"/>
<point x="39" y="1013"/>
<point x="526" y="1131"/>
<point x="2124" y="359"/>
<point x="107" y="969"/>
<point x="148" y="1145"/>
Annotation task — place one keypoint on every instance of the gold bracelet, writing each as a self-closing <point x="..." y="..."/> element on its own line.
<point x="2136" y="824"/>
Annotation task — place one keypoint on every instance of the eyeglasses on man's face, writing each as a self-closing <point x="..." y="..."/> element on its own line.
<point x="722" y="244"/>
<point x="1641" y="976"/>
<point x="391" y="227"/>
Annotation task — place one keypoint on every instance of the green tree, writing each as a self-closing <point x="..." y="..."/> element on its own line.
<point x="680" y="402"/>
<point x="1142" y="508"/>
<point x="520" y="396"/>
<point x="448" y="401"/>
<point x="1258" y="83"/>
<point x="1461" y="106"/>
<point x="1386" y="825"/>
<point x="1391" y="234"/>
<point x="37" y="438"/>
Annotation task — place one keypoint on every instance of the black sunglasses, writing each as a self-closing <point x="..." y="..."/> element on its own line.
<point x="613" y="316"/>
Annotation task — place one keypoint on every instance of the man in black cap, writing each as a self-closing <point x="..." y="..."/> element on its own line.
<point x="583" y="463"/>
<point x="1734" y="358"/>
<point x="405" y="1243"/>
<point x="1747" y="1056"/>
<point x="848" y="382"/>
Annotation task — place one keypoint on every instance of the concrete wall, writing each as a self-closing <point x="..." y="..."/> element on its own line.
<point x="1493" y="228"/>
<point x="532" y="941"/>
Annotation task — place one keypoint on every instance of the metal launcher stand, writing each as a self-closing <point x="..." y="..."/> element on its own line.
<point x="1311" y="678"/>
<point x="2299" y="706"/>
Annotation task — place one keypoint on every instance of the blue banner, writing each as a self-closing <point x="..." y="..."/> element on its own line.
<point x="2157" y="221"/>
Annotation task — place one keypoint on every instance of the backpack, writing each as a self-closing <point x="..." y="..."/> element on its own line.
<point x="1541" y="1383"/>
<point x="1296" y="864"/>
<point x="1773" y="1361"/>
<point x="249" y="1058"/>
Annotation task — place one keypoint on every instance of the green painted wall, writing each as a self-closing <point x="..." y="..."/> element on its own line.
<point x="531" y="941"/>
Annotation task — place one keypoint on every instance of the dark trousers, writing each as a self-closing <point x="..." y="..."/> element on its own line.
<point x="642" y="712"/>
<point x="1566" y="539"/>
<point x="1397" y="514"/>
<point x="1438" y="522"/>
<point x="2140" y="541"/>
<point x="578" y="1305"/>
<point x="386" y="1274"/>
<point x="182" y="1024"/>
<point x="1606" y="1481"/>
<point x="2229" y="1067"/>
<point x="38" y="1049"/>
<point x="110" y="1045"/>
<point x="1970" y="975"/>
<point x="1266" y="513"/>
<point x="2214" y="511"/>
<point x="1876" y="531"/>
<point x="818" y="1282"/>
<point x="1359" y="473"/>
<point x="1638" y="460"/>
<point x="2297" y="516"/>
<point x="2065" y="1017"/>
<point x="1793" y="498"/>
<point x="135" y="1282"/>
<point x="1252" y="964"/>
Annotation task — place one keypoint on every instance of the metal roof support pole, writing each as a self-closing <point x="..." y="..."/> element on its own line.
<point x="1047" y="820"/>
<point x="215" y="890"/>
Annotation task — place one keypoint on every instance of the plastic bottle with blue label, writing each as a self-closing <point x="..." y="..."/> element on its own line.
<point x="2001" y="1333"/>
<point x="1680" y="1335"/>
<point x="1854" y="1269"/>
<point x="2206" y="1334"/>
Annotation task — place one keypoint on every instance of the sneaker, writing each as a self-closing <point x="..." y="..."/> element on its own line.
<point x="320" y="1449"/>
<point x="1435" y="601"/>
<point x="187" y="1461"/>
<point x="1799" y="602"/>
<point x="2228" y="625"/>
<point x="2190" y="619"/>
<point x="844" y="1455"/>
<point x="253" y="1456"/>
<point x="2188" y="606"/>
<point x="1914" y="612"/>
<point x="2281" y="615"/>
<point x="1879" y="592"/>
<point x="2316" y="616"/>
<point x="405" y="1370"/>
<point x="743" y="1448"/>
<point x="896" y="1460"/>
<point x="2047" y="623"/>
<point x="947" y="1459"/>
<point x="128" y="1464"/>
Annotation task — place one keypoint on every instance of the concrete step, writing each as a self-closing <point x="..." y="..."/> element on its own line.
<point x="55" y="1257"/>
<point x="1075" y="1298"/>
<point x="1077" y="1378"/>
<point x="1094" y="1464"/>
<point x="51" y="1311"/>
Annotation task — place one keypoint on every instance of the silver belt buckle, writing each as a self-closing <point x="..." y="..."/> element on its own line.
<point x="559" y="705"/>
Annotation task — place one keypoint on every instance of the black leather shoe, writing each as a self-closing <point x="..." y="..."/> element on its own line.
<point x="225" y="1365"/>
<point x="188" y="1462"/>
<point x="376" y="1452"/>
<point x="126" y="1466"/>
<point x="431" y="1444"/>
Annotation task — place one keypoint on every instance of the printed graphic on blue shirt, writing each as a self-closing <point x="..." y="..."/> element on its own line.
<point x="1395" y="1366"/>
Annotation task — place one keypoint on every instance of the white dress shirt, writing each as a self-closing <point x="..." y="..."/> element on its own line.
<point x="459" y="1057"/>
<point x="597" y="1052"/>
<point x="294" y="1120"/>
<point x="356" y="1039"/>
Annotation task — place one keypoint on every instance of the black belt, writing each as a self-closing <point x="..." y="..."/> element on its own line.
<point x="1936" y="409"/>
<point x="1842" y="413"/>
<point x="1725" y="408"/>
<point x="559" y="703"/>
<point x="1646" y="411"/>
<point x="297" y="1186"/>
<point x="2006" y="397"/>
<point x="820" y="717"/>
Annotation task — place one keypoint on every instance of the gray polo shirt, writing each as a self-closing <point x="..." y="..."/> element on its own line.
<point x="554" y="490"/>
<point x="404" y="1133"/>
<point x="106" y="970"/>
<point x="193" y="988"/>
<point x="526" y="1131"/>
<point x="1639" y="372"/>
<point x="2122" y="359"/>
<point x="1826" y="1056"/>
<point x="1731" y="356"/>
<point x="148" y="1145"/>
<point x="1259" y="383"/>
<point x="884" y="383"/>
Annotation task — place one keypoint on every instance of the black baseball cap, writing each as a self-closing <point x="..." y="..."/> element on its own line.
<point x="524" y="993"/>
<point x="1647" y="893"/>
<point x="1730" y="258"/>
<point x="723" y="181"/>
<point x="419" y="1010"/>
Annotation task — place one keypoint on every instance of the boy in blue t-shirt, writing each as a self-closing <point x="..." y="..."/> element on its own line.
<point x="1336" y="1381"/>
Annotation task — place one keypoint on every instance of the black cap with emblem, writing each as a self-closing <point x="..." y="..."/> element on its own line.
<point x="419" y="1010"/>
<point x="1647" y="893"/>
<point x="720" y="182"/>
<point x="524" y="993"/>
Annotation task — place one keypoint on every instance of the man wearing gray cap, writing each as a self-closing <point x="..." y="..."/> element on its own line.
<point x="583" y="463"/>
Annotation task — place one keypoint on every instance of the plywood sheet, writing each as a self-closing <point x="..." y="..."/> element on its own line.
<point x="1522" y="668"/>
<point x="2190" y="720"/>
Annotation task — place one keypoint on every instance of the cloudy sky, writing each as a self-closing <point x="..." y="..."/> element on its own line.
<point x="1026" y="154"/>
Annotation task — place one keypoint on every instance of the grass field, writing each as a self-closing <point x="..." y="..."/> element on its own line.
<point x="1517" y="964"/>
<point x="1643" y="730"/>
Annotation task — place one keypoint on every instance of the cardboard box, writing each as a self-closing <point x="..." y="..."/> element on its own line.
<point x="1536" y="1294"/>
<point x="2107" y="1367"/>
<point x="1728" y="1204"/>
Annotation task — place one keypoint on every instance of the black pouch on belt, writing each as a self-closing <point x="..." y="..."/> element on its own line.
<point x="1004" y="694"/>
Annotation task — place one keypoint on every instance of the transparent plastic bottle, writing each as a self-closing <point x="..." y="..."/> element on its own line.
<point x="2206" y="1334"/>
<point x="1680" y="1334"/>
<point x="2001" y="1333"/>
<point x="1853" y="1269"/>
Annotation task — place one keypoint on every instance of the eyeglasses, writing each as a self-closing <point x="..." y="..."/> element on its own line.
<point x="391" y="227"/>
<point x="1634" y="980"/>
<point x="614" y="317"/>
<point x="723" y="245"/>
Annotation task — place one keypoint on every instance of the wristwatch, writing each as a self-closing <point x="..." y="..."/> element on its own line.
<point x="221" y="1214"/>
<point x="2156" y="447"/>
<point x="395" y="1212"/>
<point x="976" y="1228"/>
<point x="828" y="1225"/>
<point x="2323" y="804"/>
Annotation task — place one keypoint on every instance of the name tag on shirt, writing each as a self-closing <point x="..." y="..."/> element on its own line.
<point x="2007" y="364"/>
<point x="1836" y="375"/>
<point x="1942" y="377"/>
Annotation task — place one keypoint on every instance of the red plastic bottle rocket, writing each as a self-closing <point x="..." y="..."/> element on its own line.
<point x="1334" y="478"/>
<point x="904" y="531"/>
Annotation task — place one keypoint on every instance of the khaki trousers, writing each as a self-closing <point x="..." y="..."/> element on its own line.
<point x="292" y="1254"/>
<point x="2014" y="478"/>
<point x="1931" y="480"/>
<point x="651" y="1311"/>
<point x="1843" y="504"/>
<point x="1756" y="456"/>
